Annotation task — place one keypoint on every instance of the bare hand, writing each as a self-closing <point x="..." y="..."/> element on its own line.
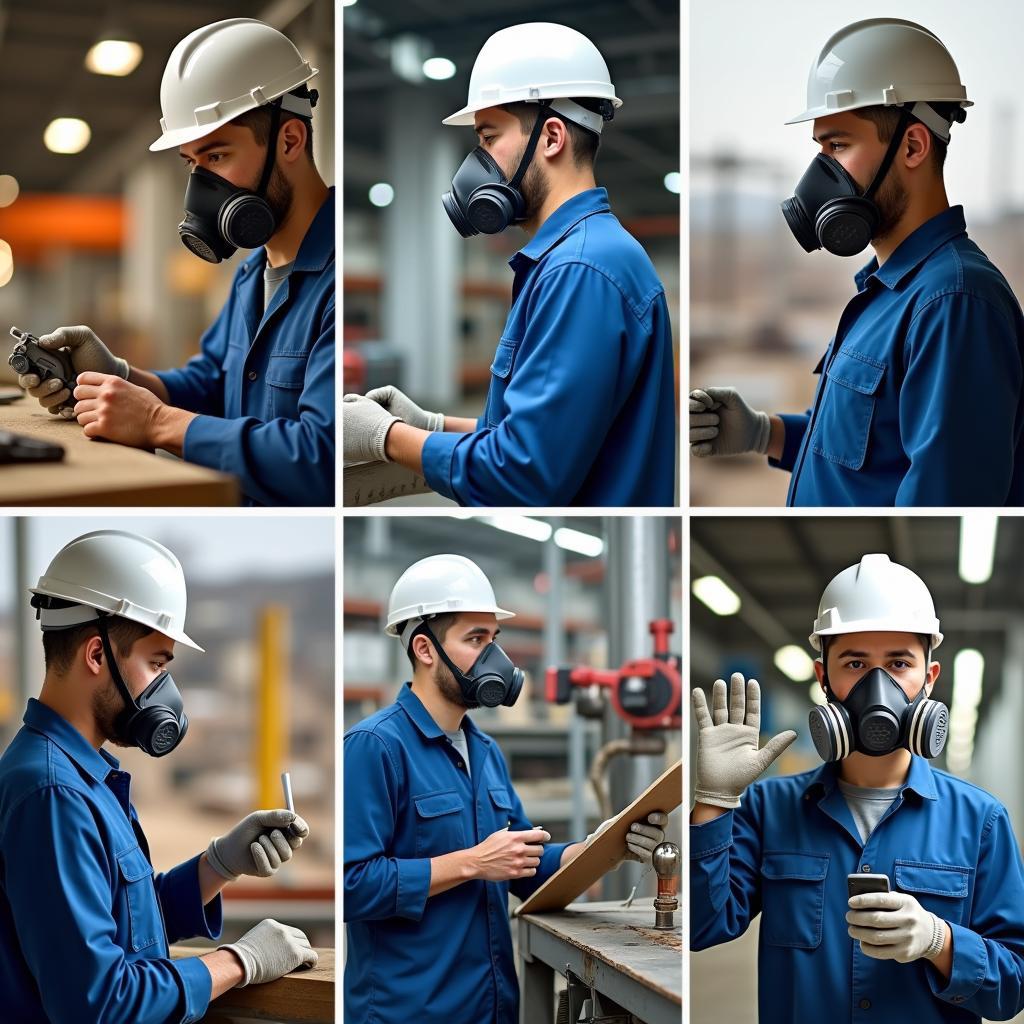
<point x="505" y="855"/>
<point x="111" y="408"/>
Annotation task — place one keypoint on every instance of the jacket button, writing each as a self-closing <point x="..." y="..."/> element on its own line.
<point x="252" y="375"/>
<point x="866" y="868"/>
<point x="865" y="1004"/>
<point x="957" y="999"/>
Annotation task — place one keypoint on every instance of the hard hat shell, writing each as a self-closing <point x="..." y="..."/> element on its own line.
<point x="881" y="62"/>
<point x="121" y="573"/>
<point x="438" y="584"/>
<point x="222" y="70"/>
<point x="876" y="595"/>
<point x="538" y="61"/>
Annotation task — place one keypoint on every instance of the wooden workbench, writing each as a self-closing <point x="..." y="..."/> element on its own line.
<point x="101" y="473"/>
<point x="305" y="997"/>
<point x="616" y="950"/>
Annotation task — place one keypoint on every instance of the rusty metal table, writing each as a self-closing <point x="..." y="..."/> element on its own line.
<point x="616" y="950"/>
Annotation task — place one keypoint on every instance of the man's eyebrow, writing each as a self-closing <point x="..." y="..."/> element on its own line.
<point x="478" y="631"/>
<point x="853" y="654"/>
<point x="205" y="147"/>
<point x="889" y="654"/>
<point x="166" y="655"/>
<point x="826" y="136"/>
<point x="486" y="126"/>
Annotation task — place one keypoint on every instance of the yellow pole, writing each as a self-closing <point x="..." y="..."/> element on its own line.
<point x="271" y="711"/>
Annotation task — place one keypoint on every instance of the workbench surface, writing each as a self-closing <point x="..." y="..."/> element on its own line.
<point x="101" y="473"/>
<point x="618" y="950"/>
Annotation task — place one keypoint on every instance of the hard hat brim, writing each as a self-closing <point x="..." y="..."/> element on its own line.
<point x="873" y="626"/>
<point x="183" y="136"/>
<point x="813" y="113"/>
<point x="400" y="617"/>
<point x="465" y="115"/>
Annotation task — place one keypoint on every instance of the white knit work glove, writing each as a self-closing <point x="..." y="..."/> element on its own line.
<point x="258" y="845"/>
<point x="401" y="405"/>
<point x="270" y="951"/>
<point x="894" y="926"/>
<point x="728" y="759"/>
<point x="721" y="423"/>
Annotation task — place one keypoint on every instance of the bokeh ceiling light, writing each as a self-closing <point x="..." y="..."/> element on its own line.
<point x="9" y="189"/>
<point x="117" y="57"/>
<point x="6" y="263"/>
<point x="67" y="135"/>
<point x="438" y="68"/>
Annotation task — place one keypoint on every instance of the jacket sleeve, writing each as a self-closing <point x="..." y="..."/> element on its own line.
<point x="377" y="884"/>
<point x="725" y="873"/>
<point x="987" y="978"/>
<point x="959" y="403"/>
<point x="280" y="461"/>
<point x="796" y="426"/>
<point x="567" y="380"/>
<point x="82" y="974"/>
<point x="181" y="902"/>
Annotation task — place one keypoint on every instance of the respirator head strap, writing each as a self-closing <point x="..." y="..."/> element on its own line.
<point x="906" y="119"/>
<point x="268" y="163"/>
<point x="542" y="115"/>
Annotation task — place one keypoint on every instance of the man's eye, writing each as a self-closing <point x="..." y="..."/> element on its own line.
<point x="901" y="664"/>
<point x="855" y="664"/>
<point x="837" y="147"/>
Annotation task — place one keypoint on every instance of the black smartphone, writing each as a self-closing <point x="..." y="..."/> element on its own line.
<point x="862" y="882"/>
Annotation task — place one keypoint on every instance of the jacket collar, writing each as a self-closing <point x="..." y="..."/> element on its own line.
<point x="43" y="719"/>
<point x="562" y="221"/>
<point x="317" y="248"/>
<point x="915" y="248"/>
<point x="422" y="719"/>
<point x="919" y="779"/>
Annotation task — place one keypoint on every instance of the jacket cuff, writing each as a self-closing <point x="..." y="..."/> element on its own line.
<point x="196" y="985"/>
<point x="438" y="452"/>
<point x="711" y="837"/>
<point x="796" y="427"/>
<point x="970" y="964"/>
<point x="413" y="887"/>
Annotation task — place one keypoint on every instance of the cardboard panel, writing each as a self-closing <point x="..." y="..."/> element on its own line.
<point x="606" y="850"/>
<point x="366" y="483"/>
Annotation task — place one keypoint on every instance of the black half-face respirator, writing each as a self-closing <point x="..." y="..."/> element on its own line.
<point x="877" y="718"/>
<point x="155" y="721"/>
<point x="221" y="217"/>
<point x="482" y="199"/>
<point x="829" y="210"/>
<point x="491" y="680"/>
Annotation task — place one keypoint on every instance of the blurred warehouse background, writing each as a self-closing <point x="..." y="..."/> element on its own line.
<point x="755" y="585"/>
<point x="88" y="216"/>
<point x="762" y="310"/>
<point x="585" y="592"/>
<point x="424" y="308"/>
<point x="259" y="701"/>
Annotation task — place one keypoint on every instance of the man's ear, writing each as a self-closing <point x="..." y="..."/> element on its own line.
<point x="553" y="137"/>
<point x="292" y="140"/>
<point x="934" y="668"/>
<point x="423" y="649"/>
<point x="92" y="652"/>
<point x="917" y="145"/>
<point x="819" y="672"/>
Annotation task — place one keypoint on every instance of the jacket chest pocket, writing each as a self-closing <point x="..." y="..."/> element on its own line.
<point x="439" y="828"/>
<point x="847" y="407"/>
<point x="501" y="810"/>
<point x="940" y="888"/>
<point x="792" y="898"/>
<point x="501" y="372"/>
<point x="286" y="377"/>
<point x="136" y="877"/>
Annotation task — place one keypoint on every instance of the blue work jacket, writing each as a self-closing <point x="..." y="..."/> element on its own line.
<point x="263" y="382"/>
<point x="84" y="922"/>
<point x="446" y="959"/>
<point x="785" y="854"/>
<point x="581" y="405"/>
<point x="921" y="395"/>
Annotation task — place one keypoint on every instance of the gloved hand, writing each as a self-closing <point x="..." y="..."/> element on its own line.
<point x="727" y="756"/>
<point x="642" y="837"/>
<point x="365" y="425"/>
<point x="87" y="353"/>
<point x="721" y="423"/>
<point x="894" y="926"/>
<point x="270" y="951"/>
<point x="258" y="845"/>
<point x="402" y="406"/>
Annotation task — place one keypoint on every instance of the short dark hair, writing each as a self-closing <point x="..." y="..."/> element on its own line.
<point x="439" y="626"/>
<point x="585" y="143"/>
<point x="886" y="120"/>
<point x="258" y="122"/>
<point x="61" y="645"/>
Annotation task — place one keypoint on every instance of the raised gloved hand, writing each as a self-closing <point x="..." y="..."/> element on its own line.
<point x="728" y="759"/>
<point x="365" y="425"/>
<point x="721" y="423"/>
<point x="87" y="352"/>
<point x="270" y="951"/>
<point x="258" y="845"/>
<point x="401" y="405"/>
<point x="894" y="926"/>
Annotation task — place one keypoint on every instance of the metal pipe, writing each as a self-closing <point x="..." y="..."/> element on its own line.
<point x="637" y="744"/>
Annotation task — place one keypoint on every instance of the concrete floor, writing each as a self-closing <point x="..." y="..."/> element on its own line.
<point x="723" y="983"/>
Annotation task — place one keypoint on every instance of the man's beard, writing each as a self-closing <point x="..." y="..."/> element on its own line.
<point x="534" y="187"/>
<point x="892" y="200"/>
<point x="449" y="686"/>
<point x="279" y="195"/>
<point x="107" y="708"/>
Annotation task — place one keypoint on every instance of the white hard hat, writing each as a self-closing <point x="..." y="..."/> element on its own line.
<point x="539" y="61"/>
<point x="225" y="69"/>
<point x="439" y="584"/>
<point x="120" y="573"/>
<point x="884" y="62"/>
<point x="876" y="595"/>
